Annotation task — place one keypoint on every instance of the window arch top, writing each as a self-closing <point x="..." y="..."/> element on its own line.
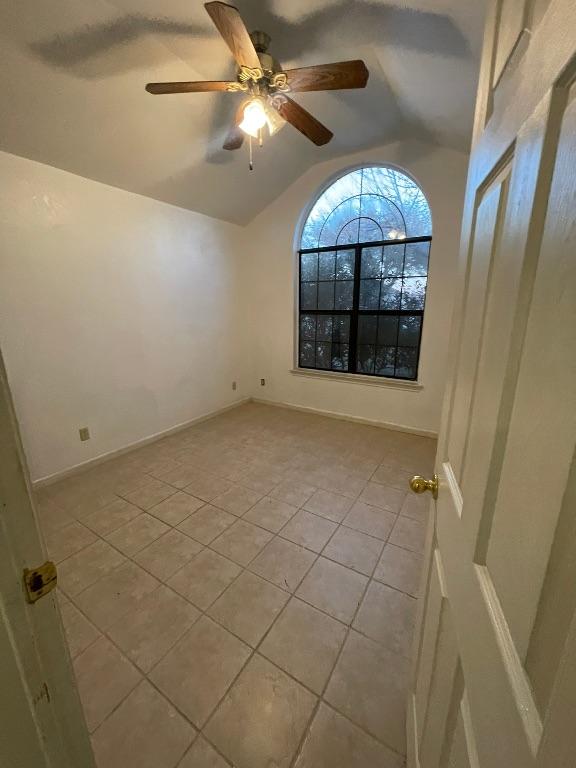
<point x="369" y="204"/>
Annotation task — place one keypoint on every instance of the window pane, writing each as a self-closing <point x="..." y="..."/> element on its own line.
<point x="323" y="355"/>
<point x="309" y="266"/>
<point x="371" y="262"/>
<point x="341" y="329"/>
<point x="365" y="361"/>
<point x="387" y="330"/>
<point x="406" y="362"/>
<point x="307" y="357"/>
<point x="307" y="327"/>
<point x="340" y="357"/>
<point x="324" y="328"/>
<point x="367" y="329"/>
<point x="417" y="258"/>
<point x="393" y="260"/>
<point x="326" y="265"/>
<point x="345" y="265"/>
<point x="409" y="334"/>
<point x="413" y="293"/>
<point x="369" y="294"/>
<point x="326" y="295"/>
<point x="308" y="295"/>
<point x="391" y="293"/>
<point x="385" y="359"/>
<point x="344" y="295"/>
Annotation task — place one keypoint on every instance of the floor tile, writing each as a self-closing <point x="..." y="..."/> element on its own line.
<point x="393" y="477"/>
<point x="292" y="492"/>
<point x="198" y="671"/>
<point x="206" y="524"/>
<point x="342" y="483"/>
<point x="168" y="554"/>
<point x="86" y="567"/>
<point x="335" y="742"/>
<point x="383" y="496"/>
<point x="137" y="534"/>
<point x="305" y="643"/>
<point x="249" y="607"/>
<point x="330" y="505"/>
<point x="147" y="633"/>
<point x="116" y="594"/>
<point x="262" y="718"/>
<point x="408" y="533"/>
<point x="180" y="476"/>
<point x="67" y="541"/>
<point x="80" y="633"/>
<point x="111" y="516"/>
<point x="333" y="588"/>
<point x="371" y="520"/>
<point x="241" y="542"/>
<point x="401" y="569"/>
<point x="104" y="678"/>
<point x="146" y="496"/>
<point x="144" y="732"/>
<point x="370" y="686"/>
<point x="416" y="507"/>
<point x="176" y="508"/>
<point x="308" y="530"/>
<point x="204" y="578"/>
<point x="237" y="500"/>
<point x="207" y="487"/>
<point x="203" y="755"/>
<point x="354" y="550"/>
<point x="270" y="513"/>
<point x="387" y="616"/>
<point x="283" y="563"/>
<point x="261" y="481"/>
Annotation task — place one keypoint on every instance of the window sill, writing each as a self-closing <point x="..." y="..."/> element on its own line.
<point x="358" y="378"/>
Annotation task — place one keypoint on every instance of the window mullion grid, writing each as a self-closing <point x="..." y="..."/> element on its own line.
<point x="352" y="352"/>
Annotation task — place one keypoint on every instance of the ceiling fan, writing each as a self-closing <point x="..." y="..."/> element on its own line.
<point x="266" y="86"/>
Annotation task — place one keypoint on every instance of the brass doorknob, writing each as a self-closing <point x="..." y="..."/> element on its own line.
<point x="420" y="485"/>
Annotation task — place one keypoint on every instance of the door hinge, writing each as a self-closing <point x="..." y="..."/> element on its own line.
<point x="39" y="581"/>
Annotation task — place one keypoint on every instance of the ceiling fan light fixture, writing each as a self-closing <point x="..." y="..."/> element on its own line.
<point x="275" y="120"/>
<point x="255" y="117"/>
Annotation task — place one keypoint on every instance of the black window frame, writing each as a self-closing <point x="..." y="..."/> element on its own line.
<point x="355" y="313"/>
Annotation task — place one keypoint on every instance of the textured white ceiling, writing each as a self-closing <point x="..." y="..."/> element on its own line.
<point x="73" y="76"/>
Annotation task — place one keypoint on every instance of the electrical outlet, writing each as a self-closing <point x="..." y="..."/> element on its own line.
<point x="84" y="433"/>
<point x="262" y="382"/>
<point x="234" y="385"/>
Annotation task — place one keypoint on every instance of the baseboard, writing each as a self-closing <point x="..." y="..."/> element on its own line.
<point x="347" y="417"/>
<point x="412" y="757"/>
<point x="84" y="465"/>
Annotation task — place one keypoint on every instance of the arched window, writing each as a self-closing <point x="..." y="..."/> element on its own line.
<point x="363" y="271"/>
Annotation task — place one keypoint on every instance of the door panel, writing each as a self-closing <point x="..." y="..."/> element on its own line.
<point x="511" y="27"/>
<point x="493" y="681"/>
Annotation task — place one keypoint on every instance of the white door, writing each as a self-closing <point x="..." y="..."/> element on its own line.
<point x="41" y="721"/>
<point x="494" y="681"/>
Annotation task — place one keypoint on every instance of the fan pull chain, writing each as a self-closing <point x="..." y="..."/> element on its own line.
<point x="251" y="164"/>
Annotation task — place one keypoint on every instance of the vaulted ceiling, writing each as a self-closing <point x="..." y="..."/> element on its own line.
<point x="73" y="76"/>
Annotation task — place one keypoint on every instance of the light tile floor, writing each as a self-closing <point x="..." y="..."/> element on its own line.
<point x="243" y="593"/>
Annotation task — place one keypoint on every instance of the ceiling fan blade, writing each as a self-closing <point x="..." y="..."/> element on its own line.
<point x="329" y="77"/>
<point x="230" y="25"/>
<point x="304" y="122"/>
<point x="235" y="136"/>
<point x="200" y="86"/>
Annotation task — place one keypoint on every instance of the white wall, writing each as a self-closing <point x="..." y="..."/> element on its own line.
<point x="442" y="176"/>
<point x="117" y="312"/>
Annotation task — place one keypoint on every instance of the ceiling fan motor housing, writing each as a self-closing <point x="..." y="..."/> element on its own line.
<point x="261" y="40"/>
